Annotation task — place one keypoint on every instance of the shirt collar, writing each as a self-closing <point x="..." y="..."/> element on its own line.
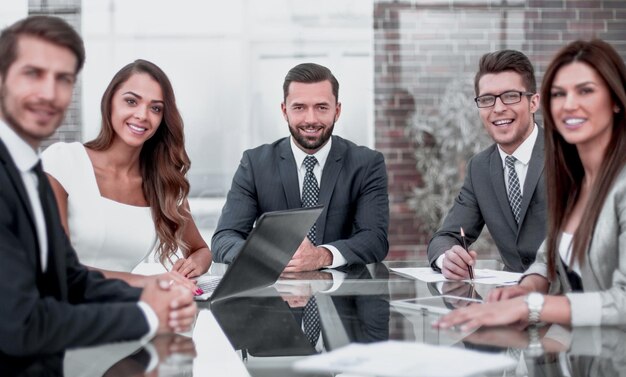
<point x="299" y="155"/>
<point x="24" y="156"/>
<point x="525" y="150"/>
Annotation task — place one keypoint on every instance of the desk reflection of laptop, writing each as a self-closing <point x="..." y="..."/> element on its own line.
<point x="262" y="325"/>
<point x="263" y="257"/>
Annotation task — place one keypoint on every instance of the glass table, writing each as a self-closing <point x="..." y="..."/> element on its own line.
<point x="262" y="332"/>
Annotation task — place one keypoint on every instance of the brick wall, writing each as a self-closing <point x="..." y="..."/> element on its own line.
<point x="424" y="49"/>
<point x="69" y="10"/>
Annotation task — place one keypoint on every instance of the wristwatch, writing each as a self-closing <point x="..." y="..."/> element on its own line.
<point x="535" y="348"/>
<point x="534" y="301"/>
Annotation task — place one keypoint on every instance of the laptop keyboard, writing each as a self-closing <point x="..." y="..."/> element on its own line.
<point x="208" y="284"/>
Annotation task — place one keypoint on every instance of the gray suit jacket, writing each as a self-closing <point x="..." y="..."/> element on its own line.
<point x="603" y="274"/>
<point x="483" y="201"/>
<point x="353" y="191"/>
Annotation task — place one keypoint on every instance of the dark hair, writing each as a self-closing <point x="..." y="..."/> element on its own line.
<point x="50" y="29"/>
<point x="564" y="170"/>
<point x="163" y="160"/>
<point x="310" y="73"/>
<point x="507" y="60"/>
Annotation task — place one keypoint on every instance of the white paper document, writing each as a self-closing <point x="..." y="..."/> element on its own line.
<point x="398" y="359"/>
<point x="481" y="275"/>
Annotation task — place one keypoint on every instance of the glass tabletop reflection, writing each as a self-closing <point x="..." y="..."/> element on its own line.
<point x="265" y="331"/>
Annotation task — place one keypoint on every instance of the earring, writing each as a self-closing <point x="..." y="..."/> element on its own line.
<point x="616" y="109"/>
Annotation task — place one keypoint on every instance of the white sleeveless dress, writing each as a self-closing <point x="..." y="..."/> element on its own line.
<point x="105" y="234"/>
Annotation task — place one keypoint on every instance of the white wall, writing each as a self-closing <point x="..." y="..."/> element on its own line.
<point x="11" y="11"/>
<point x="227" y="61"/>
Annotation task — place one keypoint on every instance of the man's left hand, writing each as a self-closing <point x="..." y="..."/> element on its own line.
<point x="308" y="257"/>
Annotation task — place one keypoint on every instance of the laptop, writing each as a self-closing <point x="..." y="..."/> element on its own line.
<point x="264" y="255"/>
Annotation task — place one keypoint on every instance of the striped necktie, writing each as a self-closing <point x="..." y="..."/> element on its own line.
<point x="515" y="193"/>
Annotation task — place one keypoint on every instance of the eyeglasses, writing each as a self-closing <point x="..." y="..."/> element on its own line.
<point x="508" y="98"/>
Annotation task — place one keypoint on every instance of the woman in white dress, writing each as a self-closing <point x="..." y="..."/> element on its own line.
<point x="579" y="277"/>
<point x="124" y="193"/>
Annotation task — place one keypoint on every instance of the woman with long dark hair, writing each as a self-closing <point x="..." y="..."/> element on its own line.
<point x="582" y="263"/>
<point x="124" y="193"/>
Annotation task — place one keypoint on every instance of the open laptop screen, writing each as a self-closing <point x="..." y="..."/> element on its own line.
<point x="267" y="250"/>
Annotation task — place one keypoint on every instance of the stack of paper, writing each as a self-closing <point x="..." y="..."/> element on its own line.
<point x="398" y="359"/>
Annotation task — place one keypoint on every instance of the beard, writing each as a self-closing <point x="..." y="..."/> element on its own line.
<point x="311" y="143"/>
<point x="7" y="113"/>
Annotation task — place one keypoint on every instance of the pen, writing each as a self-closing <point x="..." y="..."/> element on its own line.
<point x="472" y="292"/>
<point x="469" y="268"/>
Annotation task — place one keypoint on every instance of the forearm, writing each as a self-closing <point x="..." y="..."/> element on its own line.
<point x="438" y="246"/>
<point x="556" y="309"/>
<point x="225" y="245"/>
<point x="535" y="283"/>
<point x="135" y="280"/>
<point x="54" y="326"/>
<point x="465" y="213"/>
<point x="363" y="248"/>
<point x="201" y="256"/>
<point x="238" y="215"/>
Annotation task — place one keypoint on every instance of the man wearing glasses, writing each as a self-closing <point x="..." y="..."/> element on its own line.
<point x="504" y="184"/>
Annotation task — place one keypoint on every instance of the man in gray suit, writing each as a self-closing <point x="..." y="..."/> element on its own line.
<point x="504" y="184"/>
<point x="352" y="229"/>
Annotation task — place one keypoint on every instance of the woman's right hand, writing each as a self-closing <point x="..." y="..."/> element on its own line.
<point x="528" y="283"/>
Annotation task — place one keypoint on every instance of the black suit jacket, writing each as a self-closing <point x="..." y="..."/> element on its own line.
<point x="353" y="191"/>
<point x="68" y="306"/>
<point x="483" y="201"/>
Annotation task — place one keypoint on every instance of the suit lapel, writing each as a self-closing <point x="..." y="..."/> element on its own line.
<point x="497" y="181"/>
<point x="289" y="175"/>
<point x="330" y="173"/>
<point x="535" y="168"/>
<point x="16" y="180"/>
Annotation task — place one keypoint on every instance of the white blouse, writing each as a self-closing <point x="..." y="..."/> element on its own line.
<point x="105" y="234"/>
<point x="565" y="251"/>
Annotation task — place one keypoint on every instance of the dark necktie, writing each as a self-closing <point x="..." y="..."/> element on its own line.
<point x="311" y="321"/>
<point x="310" y="196"/>
<point x="43" y="198"/>
<point x="310" y="191"/>
<point x="515" y="194"/>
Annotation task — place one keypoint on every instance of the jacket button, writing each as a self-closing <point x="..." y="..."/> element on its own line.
<point x="526" y="260"/>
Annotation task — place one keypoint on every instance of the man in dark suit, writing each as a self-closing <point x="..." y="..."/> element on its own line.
<point x="352" y="229"/>
<point x="504" y="184"/>
<point x="49" y="301"/>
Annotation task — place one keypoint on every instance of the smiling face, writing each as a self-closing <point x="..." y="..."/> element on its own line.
<point x="311" y="111"/>
<point x="37" y="89"/>
<point x="137" y="109"/>
<point x="508" y="125"/>
<point x="581" y="106"/>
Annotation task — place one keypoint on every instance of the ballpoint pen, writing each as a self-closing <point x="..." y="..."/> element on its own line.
<point x="470" y="269"/>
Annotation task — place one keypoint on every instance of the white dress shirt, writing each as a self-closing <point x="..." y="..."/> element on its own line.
<point x="321" y="156"/>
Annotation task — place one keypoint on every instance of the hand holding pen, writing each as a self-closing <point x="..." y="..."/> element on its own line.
<point x="456" y="261"/>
